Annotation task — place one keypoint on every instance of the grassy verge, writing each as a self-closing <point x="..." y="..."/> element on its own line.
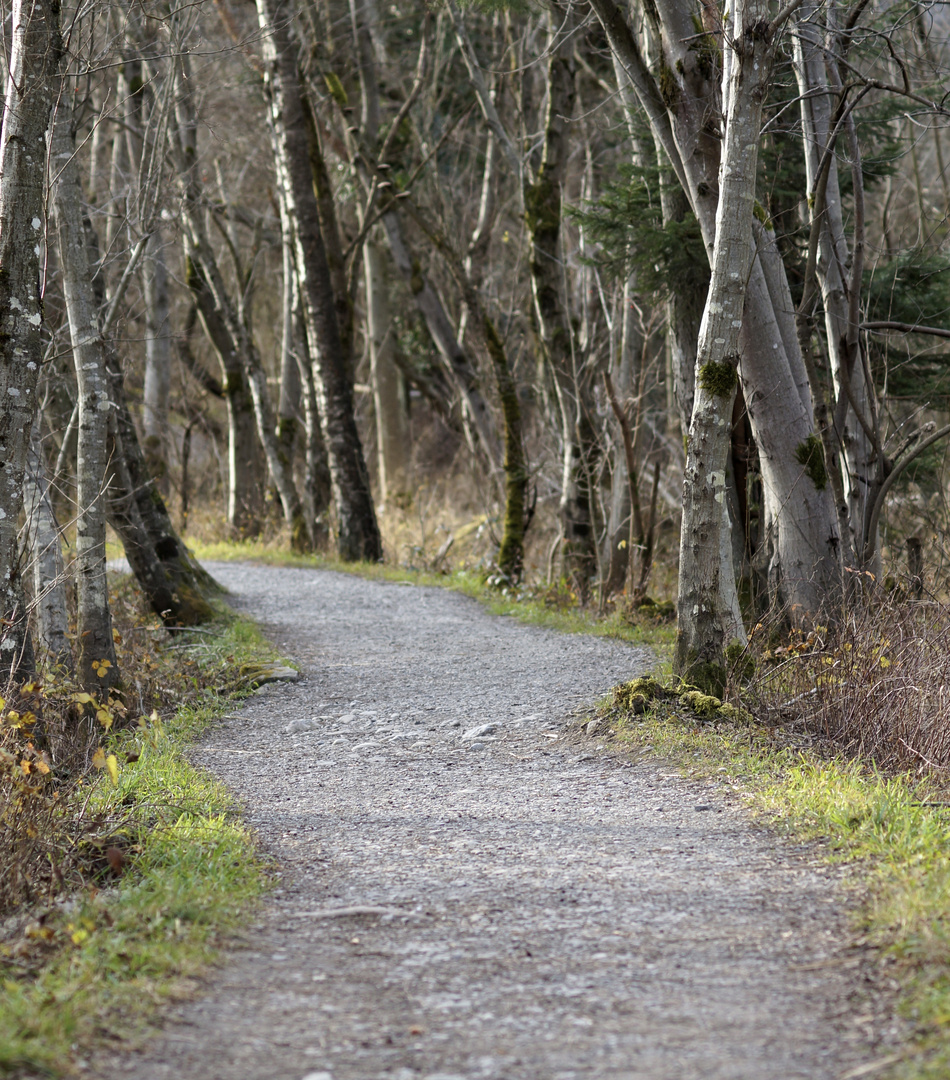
<point x="894" y="830"/>
<point x="553" y="607"/>
<point x="171" y="872"/>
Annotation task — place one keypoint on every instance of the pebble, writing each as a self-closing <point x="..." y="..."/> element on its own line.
<point x="478" y="732"/>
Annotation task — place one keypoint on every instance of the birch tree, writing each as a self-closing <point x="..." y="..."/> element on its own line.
<point x="97" y="666"/>
<point x="35" y="54"/>
<point x="357" y="529"/>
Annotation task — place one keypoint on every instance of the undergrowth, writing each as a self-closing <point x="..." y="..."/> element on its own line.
<point x="138" y="865"/>
<point x="893" y="828"/>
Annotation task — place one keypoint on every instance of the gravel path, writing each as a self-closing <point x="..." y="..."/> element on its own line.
<point x="508" y="905"/>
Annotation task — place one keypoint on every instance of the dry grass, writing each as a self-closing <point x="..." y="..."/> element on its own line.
<point x="876" y="687"/>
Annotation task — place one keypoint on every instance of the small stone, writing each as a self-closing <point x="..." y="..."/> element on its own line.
<point x="597" y="726"/>
<point x="303" y="724"/>
<point x="483" y="729"/>
<point x="367" y="744"/>
<point x="318" y="1076"/>
<point x="277" y="674"/>
<point x="347" y="718"/>
<point x="477" y="745"/>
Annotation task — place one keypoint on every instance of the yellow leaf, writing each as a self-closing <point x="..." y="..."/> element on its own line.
<point x="41" y="767"/>
<point x="112" y="765"/>
<point x="99" y="758"/>
<point x="885" y="663"/>
<point x="79" y="936"/>
<point x="104" y="717"/>
<point x="621" y="545"/>
<point x="25" y="766"/>
<point x="83" y="699"/>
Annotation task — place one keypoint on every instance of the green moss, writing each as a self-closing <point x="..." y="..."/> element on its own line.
<point x="628" y="695"/>
<point x="669" y="87"/>
<point x="704" y="705"/>
<point x="810" y="454"/>
<point x="735" y="715"/>
<point x="742" y="661"/>
<point x="706" y="675"/>
<point x="336" y="89"/>
<point x="762" y="215"/>
<point x="718" y="379"/>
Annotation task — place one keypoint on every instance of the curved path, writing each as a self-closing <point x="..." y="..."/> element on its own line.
<point x="501" y="906"/>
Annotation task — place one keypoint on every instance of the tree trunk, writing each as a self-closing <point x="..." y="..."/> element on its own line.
<point x="358" y="531"/>
<point x="707" y="606"/>
<point x="35" y="52"/>
<point x="157" y="361"/>
<point x="50" y="613"/>
<point x="96" y="660"/>
<point x="245" y="463"/>
<point x="393" y="442"/>
<point x="542" y="204"/>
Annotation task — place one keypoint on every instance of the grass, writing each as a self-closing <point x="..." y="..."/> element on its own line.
<point x="92" y="969"/>
<point x="893" y="831"/>
<point x="553" y="607"/>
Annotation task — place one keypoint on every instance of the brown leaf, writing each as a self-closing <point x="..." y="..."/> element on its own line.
<point x="117" y="860"/>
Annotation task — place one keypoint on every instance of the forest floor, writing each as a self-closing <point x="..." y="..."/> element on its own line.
<point x="469" y="891"/>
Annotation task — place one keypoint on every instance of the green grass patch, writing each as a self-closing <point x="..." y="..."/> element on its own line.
<point x="551" y="607"/>
<point x="893" y="830"/>
<point x="171" y="873"/>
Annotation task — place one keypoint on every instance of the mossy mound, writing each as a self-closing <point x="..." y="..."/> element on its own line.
<point x="704" y="705"/>
<point x="647" y="693"/>
<point x="634" y="696"/>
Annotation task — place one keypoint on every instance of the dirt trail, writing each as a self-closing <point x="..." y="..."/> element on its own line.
<point x="503" y="906"/>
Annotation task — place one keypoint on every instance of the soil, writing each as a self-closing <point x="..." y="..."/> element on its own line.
<point x="467" y="892"/>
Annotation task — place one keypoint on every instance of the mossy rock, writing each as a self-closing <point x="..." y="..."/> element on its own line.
<point x="704" y="705"/>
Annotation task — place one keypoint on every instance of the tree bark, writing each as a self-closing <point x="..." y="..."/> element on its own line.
<point x="35" y="52"/>
<point x="707" y="604"/>
<point x="393" y="443"/>
<point x="543" y="209"/>
<point x="157" y="360"/>
<point x="358" y="531"/>
<point x="96" y="660"/>
<point x="50" y="612"/>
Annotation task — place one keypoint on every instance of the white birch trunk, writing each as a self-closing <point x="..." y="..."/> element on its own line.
<point x="35" y="52"/>
<point x="94" y="631"/>
<point x="708" y="606"/>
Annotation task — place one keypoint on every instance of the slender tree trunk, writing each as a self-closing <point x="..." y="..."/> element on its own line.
<point x="97" y="665"/>
<point x="543" y="210"/>
<point x="50" y="613"/>
<point x="245" y="463"/>
<point x="358" y="531"/>
<point x="708" y="607"/>
<point x="35" y="52"/>
<point x="157" y="361"/>
<point x="394" y="446"/>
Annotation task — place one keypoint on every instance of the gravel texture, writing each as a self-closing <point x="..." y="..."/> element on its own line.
<point x="469" y="894"/>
